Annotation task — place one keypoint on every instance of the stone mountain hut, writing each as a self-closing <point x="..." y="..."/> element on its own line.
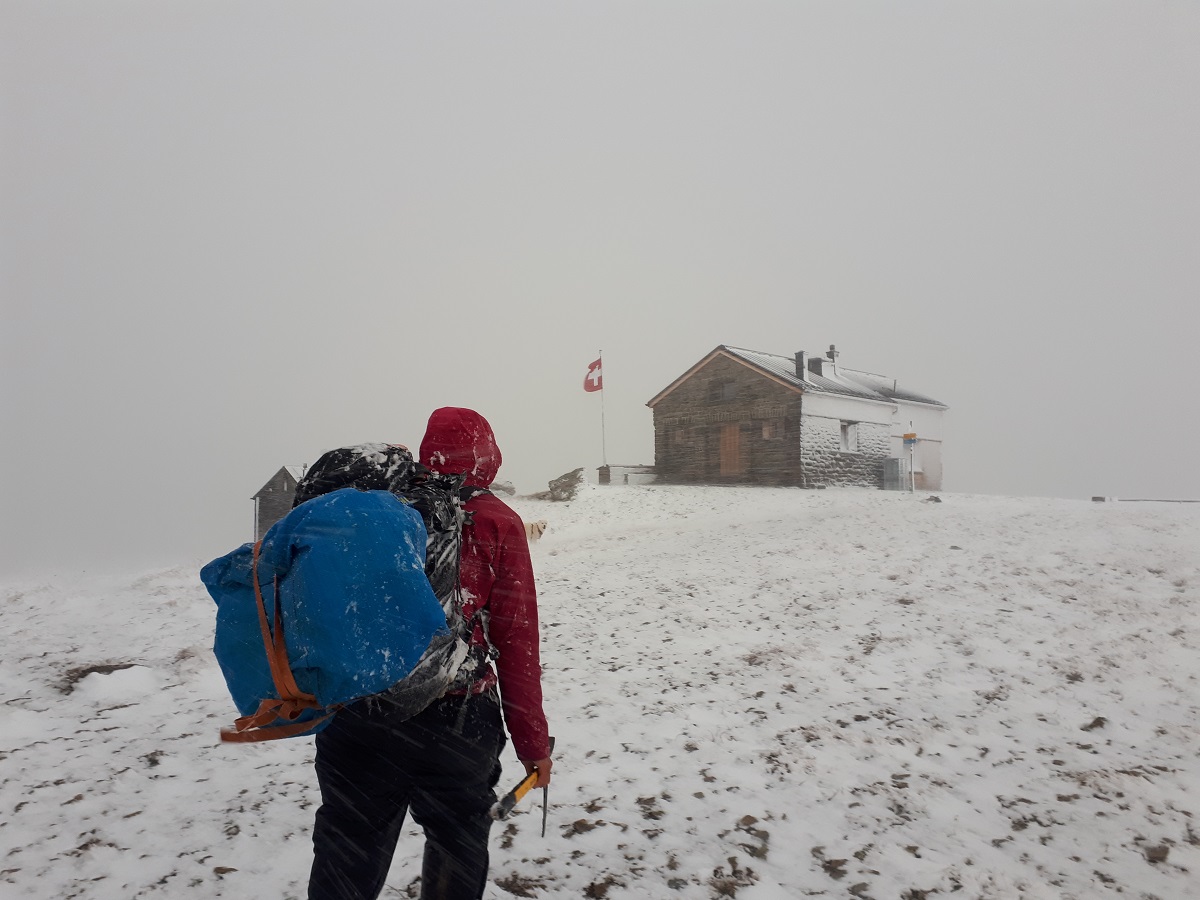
<point x="745" y="417"/>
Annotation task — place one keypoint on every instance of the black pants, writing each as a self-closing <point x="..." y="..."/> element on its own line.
<point x="442" y="763"/>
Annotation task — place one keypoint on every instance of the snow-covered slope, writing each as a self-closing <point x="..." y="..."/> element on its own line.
<point x="756" y="693"/>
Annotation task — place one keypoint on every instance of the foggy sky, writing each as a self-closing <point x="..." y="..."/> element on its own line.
<point x="235" y="235"/>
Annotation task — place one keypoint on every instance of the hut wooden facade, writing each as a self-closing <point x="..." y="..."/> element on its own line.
<point x="746" y="417"/>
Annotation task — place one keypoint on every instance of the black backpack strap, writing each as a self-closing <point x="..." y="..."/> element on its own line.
<point x="475" y="664"/>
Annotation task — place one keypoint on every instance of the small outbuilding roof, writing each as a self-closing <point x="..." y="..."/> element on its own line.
<point x="296" y="473"/>
<point x="782" y="369"/>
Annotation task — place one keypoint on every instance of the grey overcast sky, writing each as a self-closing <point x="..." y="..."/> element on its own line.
<point x="235" y="235"/>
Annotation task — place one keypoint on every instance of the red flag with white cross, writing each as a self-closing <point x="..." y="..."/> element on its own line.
<point x="594" y="380"/>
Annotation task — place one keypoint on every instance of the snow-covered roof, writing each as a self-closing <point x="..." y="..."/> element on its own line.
<point x="847" y="382"/>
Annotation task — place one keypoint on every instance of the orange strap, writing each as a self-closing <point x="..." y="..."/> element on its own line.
<point x="250" y="729"/>
<point x="291" y="701"/>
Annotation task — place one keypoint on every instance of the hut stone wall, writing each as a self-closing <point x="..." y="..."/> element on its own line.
<point x="826" y="462"/>
<point x="728" y="424"/>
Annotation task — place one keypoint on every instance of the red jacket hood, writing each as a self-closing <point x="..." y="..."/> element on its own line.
<point x="458" y="441"/>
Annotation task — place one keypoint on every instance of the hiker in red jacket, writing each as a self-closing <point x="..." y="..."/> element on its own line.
<point x="443" y="763"/>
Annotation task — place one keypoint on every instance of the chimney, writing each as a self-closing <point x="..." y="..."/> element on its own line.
<point x="816" y="365"/>
<point x="801" y="363"/>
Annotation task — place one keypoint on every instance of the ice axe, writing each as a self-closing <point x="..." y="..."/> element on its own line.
<point x="502" y="807"/>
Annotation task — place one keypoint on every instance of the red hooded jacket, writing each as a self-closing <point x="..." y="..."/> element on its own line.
<point x="496" y="575"/>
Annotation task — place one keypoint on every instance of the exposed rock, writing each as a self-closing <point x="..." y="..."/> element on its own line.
<point x="502" y="487"/>
<point x="73" y="676"/>
<point x="564" y="487"/>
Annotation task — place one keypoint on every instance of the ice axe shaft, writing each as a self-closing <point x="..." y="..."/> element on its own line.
<point x="505" y="804"/>
<point x="546" y="794"/>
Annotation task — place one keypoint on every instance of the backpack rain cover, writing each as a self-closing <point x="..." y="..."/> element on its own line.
<point x="358" y="611"/>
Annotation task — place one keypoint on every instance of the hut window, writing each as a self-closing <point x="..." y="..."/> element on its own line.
<point x="722" y="390"/>
<point x="772" y="430"/>
<point x="850" y="437"/>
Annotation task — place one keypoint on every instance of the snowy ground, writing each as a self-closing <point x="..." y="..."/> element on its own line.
<point x="757" y="693"/>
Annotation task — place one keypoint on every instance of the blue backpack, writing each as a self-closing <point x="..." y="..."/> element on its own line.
<point x="333" y="605"/>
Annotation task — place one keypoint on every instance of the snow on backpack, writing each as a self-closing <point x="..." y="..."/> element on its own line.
<point x="441" y="501"/>
<point x="335" y="603"/>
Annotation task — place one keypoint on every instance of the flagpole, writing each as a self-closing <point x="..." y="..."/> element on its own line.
<point x="603" y="439"/>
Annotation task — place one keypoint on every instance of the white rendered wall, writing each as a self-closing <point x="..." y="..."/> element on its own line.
<point x="847" y="409"/>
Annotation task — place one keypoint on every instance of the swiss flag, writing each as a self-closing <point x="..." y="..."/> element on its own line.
<point x="594" y="380"/>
